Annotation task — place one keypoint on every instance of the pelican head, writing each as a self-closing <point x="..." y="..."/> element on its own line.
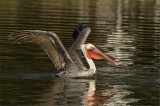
<point x="93" y="53"/>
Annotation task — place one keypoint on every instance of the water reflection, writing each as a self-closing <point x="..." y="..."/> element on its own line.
<point x="83" y="92"/>
<point x="127" y="30"/>
<point x="121" y="40"/>
<point x="147" y="35"/>
<point x="70" y="92"/>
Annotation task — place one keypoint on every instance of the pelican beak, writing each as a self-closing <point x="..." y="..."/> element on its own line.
<point x="98" y="55"/>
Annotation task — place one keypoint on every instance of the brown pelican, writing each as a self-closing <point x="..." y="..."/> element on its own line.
<point x="69" y="61"/>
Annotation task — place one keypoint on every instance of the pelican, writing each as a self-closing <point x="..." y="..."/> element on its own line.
<point x="69" y="61"/>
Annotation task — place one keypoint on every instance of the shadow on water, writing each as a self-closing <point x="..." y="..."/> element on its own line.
<point x="37" y="75"/>
<point x="127" y="30"/>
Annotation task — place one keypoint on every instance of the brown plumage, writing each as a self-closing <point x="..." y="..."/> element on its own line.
<point x="48" y="41"/>
<point x="69" y="61"/>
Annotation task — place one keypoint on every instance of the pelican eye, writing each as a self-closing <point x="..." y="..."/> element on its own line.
<point x="93" y="48"/>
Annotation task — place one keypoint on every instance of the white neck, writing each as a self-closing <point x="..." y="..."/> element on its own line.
<point x="89" y="61"/>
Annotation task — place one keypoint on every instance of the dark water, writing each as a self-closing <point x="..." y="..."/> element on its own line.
<point x="127" y="30"/>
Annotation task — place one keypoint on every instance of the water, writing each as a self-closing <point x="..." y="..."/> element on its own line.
<point x="127" y="30"/>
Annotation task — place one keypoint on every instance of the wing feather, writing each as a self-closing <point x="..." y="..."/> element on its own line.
<point x="80" y="34"/>
<point x="48" y="41"/>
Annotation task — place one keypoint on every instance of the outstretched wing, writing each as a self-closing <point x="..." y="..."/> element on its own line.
<point x="48" y="41"/>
